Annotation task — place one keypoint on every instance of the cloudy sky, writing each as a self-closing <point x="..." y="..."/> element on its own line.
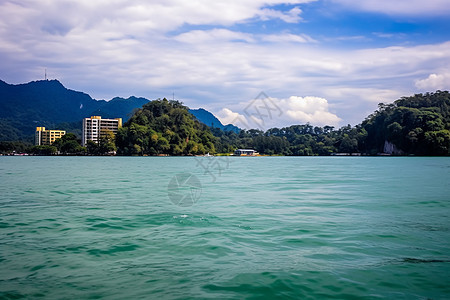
<point x="266" y="63"/>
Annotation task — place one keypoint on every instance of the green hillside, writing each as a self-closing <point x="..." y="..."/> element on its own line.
<point x="418" y="125"/>
<point x="164" y="127"/>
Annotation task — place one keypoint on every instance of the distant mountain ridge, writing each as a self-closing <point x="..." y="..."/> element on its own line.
<point x="210" y="120"/>
<point x="48" y="103"/>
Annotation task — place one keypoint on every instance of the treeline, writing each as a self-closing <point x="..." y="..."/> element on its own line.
<point x="69" y="144"/>
<point x="299" y="140"/>
<point x="416" y="125"/>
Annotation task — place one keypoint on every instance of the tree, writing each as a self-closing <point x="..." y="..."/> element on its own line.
<point x="15" y="146"/>
<point x="71" y="147"/>
<point x="416" y="125"/>
<point x="69" y="144"/>
<point x="164" y="127"/>
<point x="348" y="145"/>
<point x="43" y="150"/>
<point x="92" y="147"/>
<point x="106" y="143"/>
<point x="438" y="142"/>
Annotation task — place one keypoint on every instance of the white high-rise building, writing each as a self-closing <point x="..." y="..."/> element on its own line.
<point x="94" y="127"/>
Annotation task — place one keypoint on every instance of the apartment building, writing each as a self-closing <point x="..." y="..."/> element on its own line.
<point x="94" y="127"/>
<point x="47" y="137"/>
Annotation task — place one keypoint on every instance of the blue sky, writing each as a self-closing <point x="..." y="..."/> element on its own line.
<point x="320" y="61"/>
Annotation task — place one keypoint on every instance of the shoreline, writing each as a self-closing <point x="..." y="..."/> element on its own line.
<point x="219" y="155"/>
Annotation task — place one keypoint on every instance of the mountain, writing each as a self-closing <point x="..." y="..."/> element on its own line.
<point x="164" y="127"/>
<point x="120" y="107"/>
<point x="209" y="119"/>
<point x="46" y="100"/>
<point x="48" y="103"/>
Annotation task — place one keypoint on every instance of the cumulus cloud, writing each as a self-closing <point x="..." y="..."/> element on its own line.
<point x="134" y="47"/>
<point x="265" y="113"/>
<point x="292" y="16"/>
<point x="227" y="116"/>
<point x="434" y="82"/>
<point x="314" y="110"/>
<point x="400" y="7"/>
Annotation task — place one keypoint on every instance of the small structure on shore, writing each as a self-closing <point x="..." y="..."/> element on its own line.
<point x="245" y="152"/>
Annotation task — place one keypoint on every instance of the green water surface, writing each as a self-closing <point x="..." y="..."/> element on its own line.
<point x="259" y="228"/>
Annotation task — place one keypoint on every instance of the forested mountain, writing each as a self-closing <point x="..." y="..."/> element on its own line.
<point x="418" y="125"/>
<point x="415" y="125"/>
<point x="164" y="127"/>
<point x="44" y="101"/>
<point x="48" y="103"/>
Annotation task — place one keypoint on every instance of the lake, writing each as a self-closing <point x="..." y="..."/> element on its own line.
<point x="225" y="227"/>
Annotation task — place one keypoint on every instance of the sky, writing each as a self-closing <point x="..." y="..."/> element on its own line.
<point x="253" y="63"/>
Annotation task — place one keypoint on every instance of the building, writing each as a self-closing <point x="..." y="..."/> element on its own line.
<point x="94" y="127"/>
<point x="47" y="137"/>
<point x="245" y="152"/>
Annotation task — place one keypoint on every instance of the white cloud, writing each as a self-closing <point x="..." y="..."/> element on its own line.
<point x="134" y="16"/>
<point x="400" y="7"/>
<point x="271" y="112"/>
<point x="227" y="116"/>
<point x="224" y="35"/>
<point x="374" y="95"/>
<point x="288" y="38"/>
<point x="131" y="47"/>
<point x="350" y="38"/>
<point x="292" y="16"/>
<point x="313" y="110"/>
<point x="434" y="82"/>
<point x="214" y="35"/>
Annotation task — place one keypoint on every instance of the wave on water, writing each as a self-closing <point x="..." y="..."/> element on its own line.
<point x="267" y="228"/>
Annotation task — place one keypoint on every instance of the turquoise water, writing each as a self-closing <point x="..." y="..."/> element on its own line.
<point x="262" y="227"/>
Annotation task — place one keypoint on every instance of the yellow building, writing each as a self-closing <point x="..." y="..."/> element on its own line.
<point x="47" y="137"/>
<point x="94" y="127"/>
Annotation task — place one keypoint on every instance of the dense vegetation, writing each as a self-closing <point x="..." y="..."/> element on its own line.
<point x="15" y="147"/>
<point x="49" y="104"/>
<point x="164" y="127"/>
<point x="416" y="125"/>
<point x="294" y="140"/>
